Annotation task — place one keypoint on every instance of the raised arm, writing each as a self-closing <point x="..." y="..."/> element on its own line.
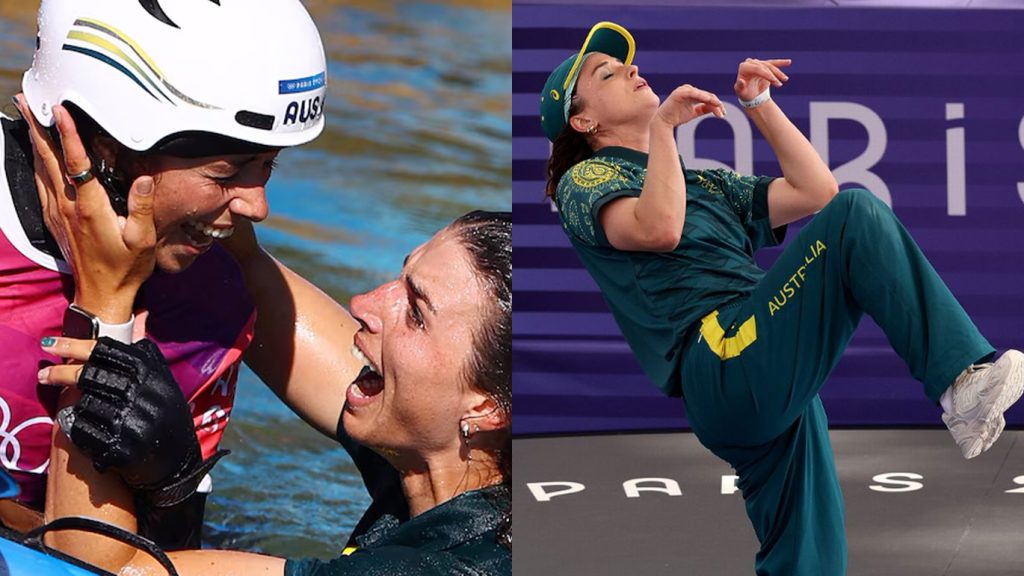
<point x="302" y="336"/>
<point x="653" y="222"/>
<point x="807" y="184"/>
<point x="119" y="259"/>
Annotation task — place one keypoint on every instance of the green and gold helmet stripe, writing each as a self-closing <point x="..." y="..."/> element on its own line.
<point x="141" y="55"/>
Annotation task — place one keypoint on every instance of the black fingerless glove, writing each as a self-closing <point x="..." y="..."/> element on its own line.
<point x="133" y="419"/>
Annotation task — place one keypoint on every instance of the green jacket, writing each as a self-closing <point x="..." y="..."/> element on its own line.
<point x="458" y="537"/>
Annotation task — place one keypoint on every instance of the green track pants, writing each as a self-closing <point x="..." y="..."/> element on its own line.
<point x="751" y="375"/>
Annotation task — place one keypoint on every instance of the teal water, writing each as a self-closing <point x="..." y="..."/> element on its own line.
<point x="418" y="132"/>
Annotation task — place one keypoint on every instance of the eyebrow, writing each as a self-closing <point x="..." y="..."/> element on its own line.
<point x="242" y="161"/>
<point x="598" y="67"/>
<point x="419" y="293"/>
<point x="605" y="63"/>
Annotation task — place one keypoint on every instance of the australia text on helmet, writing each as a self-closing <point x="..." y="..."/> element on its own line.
<point x="194" y="65"/>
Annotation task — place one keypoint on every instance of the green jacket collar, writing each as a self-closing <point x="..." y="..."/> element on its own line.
<point x="462" y="519"/>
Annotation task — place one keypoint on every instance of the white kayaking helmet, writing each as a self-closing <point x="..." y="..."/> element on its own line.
<point x="148" y="71"/>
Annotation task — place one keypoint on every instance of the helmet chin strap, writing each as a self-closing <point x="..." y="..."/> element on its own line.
<point x="116" y="186"/>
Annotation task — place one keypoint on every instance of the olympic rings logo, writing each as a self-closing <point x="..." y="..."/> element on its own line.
<point x="213" y="419"/>
<point x="10" y="448"/>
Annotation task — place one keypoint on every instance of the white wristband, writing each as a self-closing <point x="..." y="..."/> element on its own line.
<point x="119" y="332"/>
<point x="758" y="100"/>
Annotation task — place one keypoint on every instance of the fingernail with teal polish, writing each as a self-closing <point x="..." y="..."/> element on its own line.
<point x="48" y="341"/>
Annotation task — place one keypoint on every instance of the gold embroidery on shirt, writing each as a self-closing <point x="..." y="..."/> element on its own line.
<point x="593" y="174"/>
<point x="708" y="185"/>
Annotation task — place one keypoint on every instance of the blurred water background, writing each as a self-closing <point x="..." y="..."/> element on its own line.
<point x="418" y="132"/>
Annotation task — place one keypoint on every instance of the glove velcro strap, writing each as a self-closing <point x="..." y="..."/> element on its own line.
<point x="116" y="355"/>
<point x="92" y="437"/>
<point x="113" y="369"/>
<point x="179" y="489"/>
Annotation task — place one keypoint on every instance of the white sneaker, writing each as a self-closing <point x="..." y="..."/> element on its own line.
<point x="981" y="394"/>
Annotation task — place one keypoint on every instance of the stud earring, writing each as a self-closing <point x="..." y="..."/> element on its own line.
<point x="465" y="436"/>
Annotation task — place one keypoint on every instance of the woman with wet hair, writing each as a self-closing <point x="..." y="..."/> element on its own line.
<point x="415" y="382"/>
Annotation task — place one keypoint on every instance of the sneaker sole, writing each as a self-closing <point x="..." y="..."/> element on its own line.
<point x="1012" y="391"/>
<point x="1014" y="386"/>
<point x="987" y="438"/>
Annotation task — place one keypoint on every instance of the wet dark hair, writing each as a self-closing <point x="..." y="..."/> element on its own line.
<point x="487" y="236"/>
<point x="570" y="148"/>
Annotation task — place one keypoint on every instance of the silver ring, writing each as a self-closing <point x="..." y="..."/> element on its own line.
<point x="81" y="178"/>
<point x="66" y="420"/>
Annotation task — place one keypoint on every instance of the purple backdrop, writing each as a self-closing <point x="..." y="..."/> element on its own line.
<point x="923" y="107"/>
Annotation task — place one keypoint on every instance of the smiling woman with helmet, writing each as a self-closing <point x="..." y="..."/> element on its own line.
<point x="185" y="103"/>
<point x="415" y="383"/>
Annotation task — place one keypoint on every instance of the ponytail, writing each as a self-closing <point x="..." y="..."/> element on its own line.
<point x="570" y="148"/>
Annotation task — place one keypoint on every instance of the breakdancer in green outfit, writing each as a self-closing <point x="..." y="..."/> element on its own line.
<point x="672" y="251"/>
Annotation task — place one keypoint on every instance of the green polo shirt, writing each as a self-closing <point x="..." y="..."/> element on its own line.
<point x="657" y="297"/>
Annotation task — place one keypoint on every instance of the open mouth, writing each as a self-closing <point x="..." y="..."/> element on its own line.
<point x="368" y="384"/>
<point x="202" y="235"/>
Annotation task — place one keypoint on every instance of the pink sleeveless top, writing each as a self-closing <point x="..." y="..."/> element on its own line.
<point x="202" y="320"/>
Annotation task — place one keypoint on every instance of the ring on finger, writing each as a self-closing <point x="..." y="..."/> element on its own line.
<point x="81" y="178"/>
<point x="66" y="420"/>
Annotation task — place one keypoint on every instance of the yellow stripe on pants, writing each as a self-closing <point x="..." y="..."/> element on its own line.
<point x="732" y="346"/>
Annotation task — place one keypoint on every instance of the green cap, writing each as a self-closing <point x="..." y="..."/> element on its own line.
<point x="606" y="37"/>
